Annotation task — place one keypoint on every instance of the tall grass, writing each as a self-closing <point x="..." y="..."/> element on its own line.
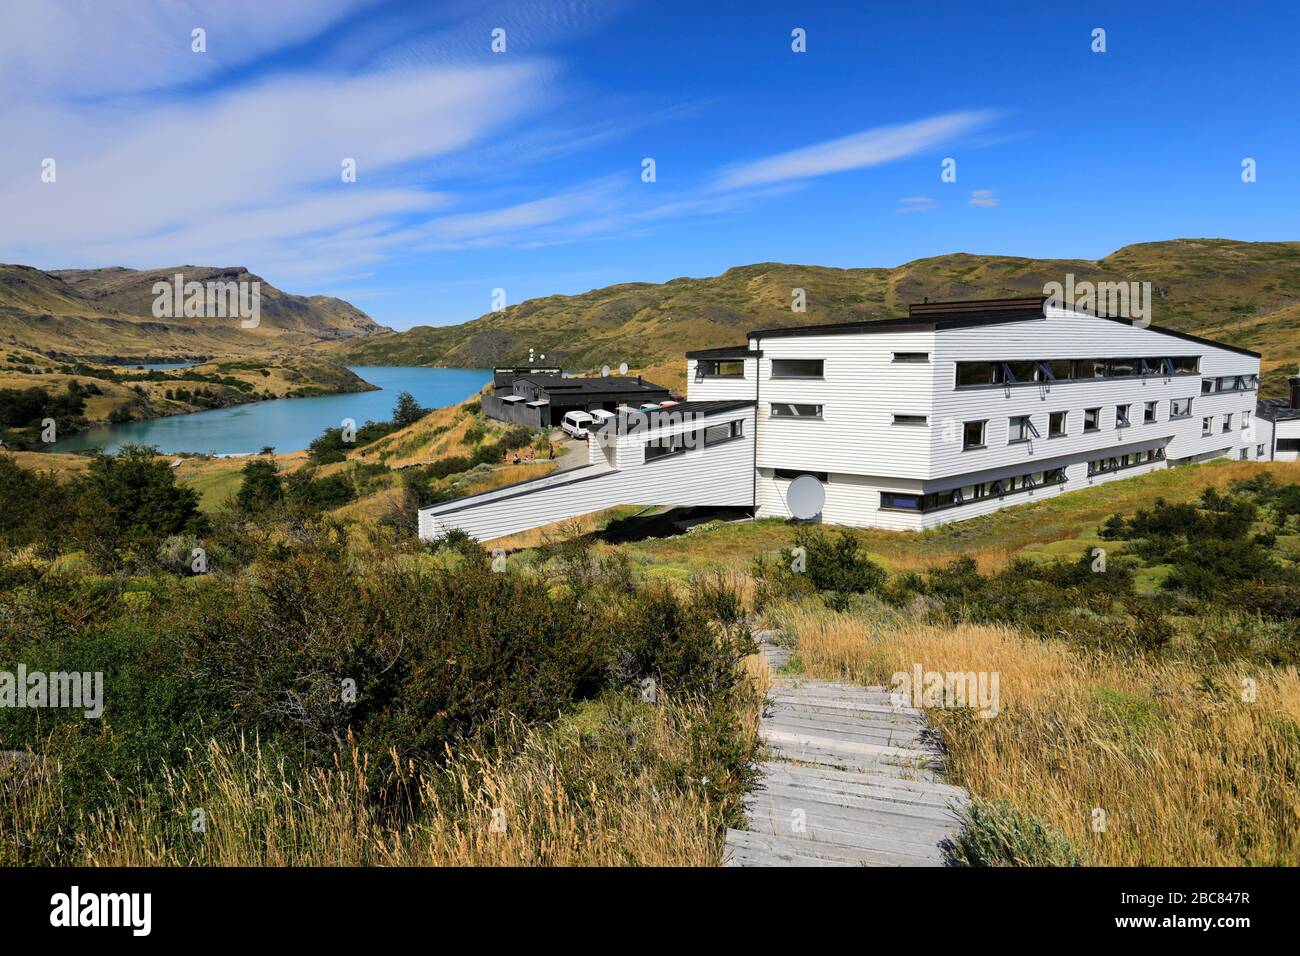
<point x="1186" y="771"/>
<point x="557" y="796"/>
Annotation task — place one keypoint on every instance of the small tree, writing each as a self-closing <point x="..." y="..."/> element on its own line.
<point x="407" y="411"/>
<point x="262" y="487"/>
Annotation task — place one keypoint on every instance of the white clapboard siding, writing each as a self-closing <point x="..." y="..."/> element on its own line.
<point x="710" y="389"/>
<point x="862" y="388"/>
<point x="719" y="476"/>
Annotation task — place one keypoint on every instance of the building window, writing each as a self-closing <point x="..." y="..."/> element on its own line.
<point x="1057" y="370"/>
<point x="798" y="368"/>
<point x="1209" y="386"/>
<point x="899" y="502"/>
<point x="1149" y="414"/>
<point x="974" y="373"/>
<point x="919" y="358"/>
<point x="1057" y="424"/>
<point x="909" y="419"/>
<point x="1207" y="426"/>
<point x="1227" y="422"/>
<point x="1245" y="453"/>
<point x="1121" y="416"/>
<point x="1021" y="429"/>
<point x="972" y="435"/>
<point x="795" y="410"/>
<point x="721" y="368"/>
<point x="1245" y="421"/>
<point x="717" y="434"/>
<point x="1015" y="373"/>
<point x="669" y="445"/>
<point x="1259" y="451"/>
<point x="1180" y="408"/>
<point x="790" y="474"/>
<point x="1091" y="419"/>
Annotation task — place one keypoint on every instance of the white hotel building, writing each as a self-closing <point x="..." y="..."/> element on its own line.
<point x="959" y="409"/>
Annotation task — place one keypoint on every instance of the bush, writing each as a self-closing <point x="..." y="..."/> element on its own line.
<point x="996" y="833"/>
<point x="261" y="488"/>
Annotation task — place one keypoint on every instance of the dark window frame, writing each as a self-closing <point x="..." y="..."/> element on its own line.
<point x="710" y="368"/>
<point x="804" y="376"/>
<point x="911" y="421"/>
<point x="820" y="416"/>
<point x="790" y="474"/>
<point x="1065" y="424"/>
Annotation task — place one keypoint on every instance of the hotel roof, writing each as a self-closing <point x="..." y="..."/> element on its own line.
<point x="971" y="313"/>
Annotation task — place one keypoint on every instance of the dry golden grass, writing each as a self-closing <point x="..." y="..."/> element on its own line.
<point x="437" y="435"/>
<point x="1187" y="772"/>
<point x="546" y="803"/>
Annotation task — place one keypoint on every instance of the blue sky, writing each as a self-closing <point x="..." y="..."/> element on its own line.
<point x="522" y="170"/>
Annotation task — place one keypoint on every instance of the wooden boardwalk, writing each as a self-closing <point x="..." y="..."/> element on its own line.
<point x="851" y="780"/>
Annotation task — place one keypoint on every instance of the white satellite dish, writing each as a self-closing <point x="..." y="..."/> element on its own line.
<point x="622" y="368"/>
<point x="604" y="370"/>
<point x="806" y="497"/>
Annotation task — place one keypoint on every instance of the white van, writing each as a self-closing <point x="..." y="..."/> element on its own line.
<point x="576" y="423"/>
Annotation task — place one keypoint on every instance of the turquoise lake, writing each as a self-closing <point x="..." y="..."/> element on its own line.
<point x="286" y="424"/>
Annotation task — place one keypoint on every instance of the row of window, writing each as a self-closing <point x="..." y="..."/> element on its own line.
<point x="701" y="437"/>
<point x="1022" y="428"/>
<point x="1229" y="383"/>
<point x="787" y="368"/>
<point x="1119" y="462"/>
<point x="972" y="374"/>
<point x="1207" y="423"/>
<point x="937" y="500"/>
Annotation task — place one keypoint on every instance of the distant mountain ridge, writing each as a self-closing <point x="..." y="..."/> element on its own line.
<point x="107" y="313"/>
<point x="1242" y="293"/>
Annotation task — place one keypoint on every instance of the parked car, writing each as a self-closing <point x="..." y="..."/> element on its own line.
<point x="577" y="423"/>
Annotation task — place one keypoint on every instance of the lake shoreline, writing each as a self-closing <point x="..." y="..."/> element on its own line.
<point x="284" y="423"/>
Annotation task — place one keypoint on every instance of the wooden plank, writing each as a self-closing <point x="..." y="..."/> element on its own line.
<point x="864" y="784"/>
<point x="812" y="797"/>
<point x="829" y="742"/>
<point x="853" y="781"/>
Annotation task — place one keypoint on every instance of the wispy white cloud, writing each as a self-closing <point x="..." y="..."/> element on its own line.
<point x="982" y="197"/>
<point x="917" y="204"/>
<point x="96" y="48"/>
<point x="868" y="148"/>
<point x="261" y="163"/>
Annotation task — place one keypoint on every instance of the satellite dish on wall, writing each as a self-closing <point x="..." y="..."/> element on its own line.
<point x="806" y="497"/>
<point x="604" y="371"/>
<point x="622" y="368"/>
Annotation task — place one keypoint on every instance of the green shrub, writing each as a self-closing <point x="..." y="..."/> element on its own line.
<point x="997" y="833"/>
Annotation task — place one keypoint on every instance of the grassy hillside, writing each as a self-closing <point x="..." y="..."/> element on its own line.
<point x="1243" y="293"/>
<point x="107" y="314"/>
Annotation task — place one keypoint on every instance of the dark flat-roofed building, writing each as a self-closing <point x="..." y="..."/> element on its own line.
<point x="542" y="397"/>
